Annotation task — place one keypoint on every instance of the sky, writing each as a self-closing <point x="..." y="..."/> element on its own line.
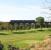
<point x="23" y="9"/>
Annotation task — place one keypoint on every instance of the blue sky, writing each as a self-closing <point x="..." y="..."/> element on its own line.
<point x="21" y="9"/>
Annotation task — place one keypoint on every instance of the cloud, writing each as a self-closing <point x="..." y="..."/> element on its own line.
<point x="31" y="12"/>
<point x="28" y="12"/>
<point x="7" y="12"/>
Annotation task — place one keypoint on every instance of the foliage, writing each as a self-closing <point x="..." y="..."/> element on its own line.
<point x="22" y="38"/>
<point x="40" y="21"/>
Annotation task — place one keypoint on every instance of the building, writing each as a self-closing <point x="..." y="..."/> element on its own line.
<point x="23" y="23"/>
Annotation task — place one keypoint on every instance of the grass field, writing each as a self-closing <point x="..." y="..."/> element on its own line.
<point x="22" y="38"/>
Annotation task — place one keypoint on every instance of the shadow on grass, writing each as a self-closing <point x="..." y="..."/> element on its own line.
<point x="19" y="32"/>
<point x="49" y="29"/>
<point x="31" y="31"/>
<point x="3" y="34"/>
<point x="40" y="30"/>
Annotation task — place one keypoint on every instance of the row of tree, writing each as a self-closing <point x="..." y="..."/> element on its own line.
<point x="39" y="23"/>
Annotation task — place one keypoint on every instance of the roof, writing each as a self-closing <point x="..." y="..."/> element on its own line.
<point x="22" y="21"/>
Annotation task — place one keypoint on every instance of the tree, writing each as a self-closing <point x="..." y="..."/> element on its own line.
<point x="15" y="26"/>
<point x="40" y="21"/>
<point x="11" y="24"/>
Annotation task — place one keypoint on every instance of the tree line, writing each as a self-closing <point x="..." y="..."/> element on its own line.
<point x="39" y="23"/>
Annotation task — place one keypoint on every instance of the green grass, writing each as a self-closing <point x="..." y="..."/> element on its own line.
<point x="22" y="38"/>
